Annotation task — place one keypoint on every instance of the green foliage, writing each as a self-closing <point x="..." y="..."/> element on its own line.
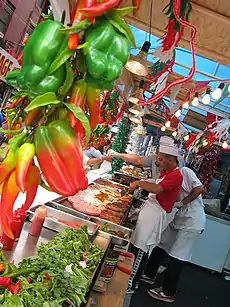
<point x="120" y="141"/>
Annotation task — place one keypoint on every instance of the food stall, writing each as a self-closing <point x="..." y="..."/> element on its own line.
<point x="103" y="234"/>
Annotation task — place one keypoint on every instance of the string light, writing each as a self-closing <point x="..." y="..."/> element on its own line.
<point x="186" y="138"/>
<point x="167" y="124"/>
<point x="225" y="144"/>
<point x="205" y="143"/>
<point x="163" y="128"/>
<point x="216" y="94"/>
<point x="195" y="100"/>
<point x="174" y="133"/>
<point x="186" y="105"/>
<point x="206" y="99"/>
<point x="178" y="112"/>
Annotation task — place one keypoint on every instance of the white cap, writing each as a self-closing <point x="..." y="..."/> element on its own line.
<point x="167" y="146"/>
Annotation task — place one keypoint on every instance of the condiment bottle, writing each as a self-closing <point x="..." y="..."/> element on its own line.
<point x="38" y="221"/>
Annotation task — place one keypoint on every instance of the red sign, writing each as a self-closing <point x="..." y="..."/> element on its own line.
<point x="7" y="63"/>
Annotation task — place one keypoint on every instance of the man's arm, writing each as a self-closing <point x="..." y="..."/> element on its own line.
<point x="95" y="161"/>
<point x="147" y="186"/>
<point x="132" y="159"/>
<point x="193" y="195"/>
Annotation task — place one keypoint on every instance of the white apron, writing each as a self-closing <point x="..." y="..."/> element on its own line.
<point x="180" y="236"/>
<point x="151" y="222"/>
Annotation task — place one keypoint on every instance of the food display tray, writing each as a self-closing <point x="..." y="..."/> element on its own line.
<point x="114" y="227"/>
<point x="59" y="214"/>
<point x="64" y="205"/>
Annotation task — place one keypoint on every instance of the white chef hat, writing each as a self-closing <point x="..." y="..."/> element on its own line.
<point x="167" y="146"/>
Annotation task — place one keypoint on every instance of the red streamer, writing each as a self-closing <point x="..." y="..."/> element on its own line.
<point x="176" y="8"/>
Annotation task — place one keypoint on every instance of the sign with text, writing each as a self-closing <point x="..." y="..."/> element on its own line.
<point x="7" y="63"/>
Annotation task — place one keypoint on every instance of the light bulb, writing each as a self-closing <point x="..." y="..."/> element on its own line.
<point x="195" y="101"/>
<point x="225" y="144"/>
<point x="174" y="133"/>
<point x="206" y="99"/>
<point x="163" y="128"/>
<point x="178" y="113"/>
<point x="134" y="100"/>
<point x="186" y="105"/>
<point x="205" y="143"/>
<point x="186" y="138"/>
<point x="217" y="93"/>
<point x="167" y="124"/>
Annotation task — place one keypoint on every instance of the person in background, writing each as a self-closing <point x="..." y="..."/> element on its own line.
<point x="178" y="239"/>
<point x="93" y="153"/>
<point x="153" y="215"/>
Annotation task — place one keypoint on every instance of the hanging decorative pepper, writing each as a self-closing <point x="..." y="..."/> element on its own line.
<point x="55" y="144"/>
<point x="10" y="192"/>
<point x="99" y="9"/>
<point x="32" y="183"/>
<point x="24" y="161"/>
<point x="93" y="101"/>
<point x="8" y="165"/>
<point x="43" y="46"/>
<point x="108" y="51"/>
<point x="77" y="98"/>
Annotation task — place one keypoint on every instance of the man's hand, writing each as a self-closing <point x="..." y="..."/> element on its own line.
<point x="107" y="158"/>
<point x="114" y="154"/>
<point x="133" y="186"/>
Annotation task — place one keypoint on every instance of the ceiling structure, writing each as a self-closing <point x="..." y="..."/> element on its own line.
<point x="212" y="19"/>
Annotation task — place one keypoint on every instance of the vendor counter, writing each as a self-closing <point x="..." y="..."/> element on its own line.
<point x="212" y="250"/>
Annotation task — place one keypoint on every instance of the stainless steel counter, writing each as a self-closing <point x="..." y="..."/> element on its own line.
<point x="27" y="244"/>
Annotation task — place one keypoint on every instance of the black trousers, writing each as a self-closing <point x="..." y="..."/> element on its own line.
<point x="139" y="266"/>
<point x="172" y="273"/>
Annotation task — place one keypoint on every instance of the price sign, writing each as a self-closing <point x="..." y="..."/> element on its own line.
<point x="7" y="63"/>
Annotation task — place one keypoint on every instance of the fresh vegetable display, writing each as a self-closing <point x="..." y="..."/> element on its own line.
<point x="64" y="73"/>
<point x="60" y="272"/>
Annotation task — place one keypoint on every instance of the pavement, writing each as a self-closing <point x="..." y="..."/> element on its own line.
<point x="197" y="288"/>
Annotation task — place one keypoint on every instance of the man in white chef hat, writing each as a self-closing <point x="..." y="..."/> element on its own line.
<point x="163" y="194"/>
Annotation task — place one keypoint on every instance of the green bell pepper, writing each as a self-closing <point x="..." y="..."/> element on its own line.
<point x="107" y="51"/>
<point x="42" y="48"/>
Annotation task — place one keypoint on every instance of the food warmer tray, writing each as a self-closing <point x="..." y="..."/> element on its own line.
<point x="64" y="205"/>
<point x="129" y="176"/>
<point x="114" y="227"/>
<point x="58" y="226"/>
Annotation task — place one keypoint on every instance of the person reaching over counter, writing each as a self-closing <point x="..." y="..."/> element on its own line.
<point x="152" y="219"/>
<point x="178" y="239"/>
<point x="94" y="161"/>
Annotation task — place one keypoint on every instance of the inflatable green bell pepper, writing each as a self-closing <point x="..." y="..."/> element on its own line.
<point x="107" y="51"/>
<point x="42" y="48"/>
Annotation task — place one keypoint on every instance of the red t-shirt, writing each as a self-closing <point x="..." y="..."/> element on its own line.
<point x="171" y="184"/>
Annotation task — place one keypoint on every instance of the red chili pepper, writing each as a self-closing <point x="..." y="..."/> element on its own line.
<point x="32" y="183"/>
<point x="47" y="275"/>
<point x="5" y="281"/>
<point x="93" y="101"/>
<point x="15" y="288"/>
<point x="99" y="9"/>
<point x="10" y="192"/>
<point x="24" y="161"/>
<point x="73" y="41"/>
<point x="136" y="4"/>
